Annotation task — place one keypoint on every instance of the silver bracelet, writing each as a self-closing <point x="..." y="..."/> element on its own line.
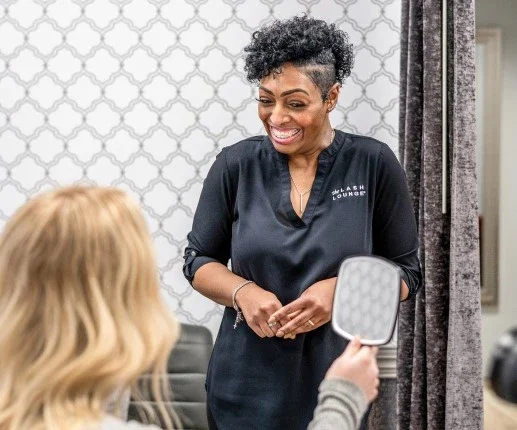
<point x="239" y="316"/>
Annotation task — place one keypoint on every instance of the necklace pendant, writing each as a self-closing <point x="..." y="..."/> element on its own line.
<point x="301" y="195"/>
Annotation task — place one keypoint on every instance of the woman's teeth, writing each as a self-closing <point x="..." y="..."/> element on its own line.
<point x="284" y="134"/>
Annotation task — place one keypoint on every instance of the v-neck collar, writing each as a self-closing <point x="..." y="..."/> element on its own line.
<point x="324" y="162"/>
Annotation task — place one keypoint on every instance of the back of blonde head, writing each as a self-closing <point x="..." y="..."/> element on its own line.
<point x="81" y="316"/>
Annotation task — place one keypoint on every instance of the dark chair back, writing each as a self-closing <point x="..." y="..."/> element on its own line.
<point x="187" y="368"/>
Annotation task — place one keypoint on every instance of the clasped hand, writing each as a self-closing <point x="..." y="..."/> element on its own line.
<point x="266" y="316"/>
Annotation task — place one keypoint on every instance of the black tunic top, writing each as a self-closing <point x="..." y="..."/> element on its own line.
<point x="359" y="204"/>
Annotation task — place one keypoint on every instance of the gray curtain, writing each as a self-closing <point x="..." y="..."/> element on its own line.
<point x="439" y="348"/>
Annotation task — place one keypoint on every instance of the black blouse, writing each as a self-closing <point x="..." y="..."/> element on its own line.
<point x="359" y="204"/>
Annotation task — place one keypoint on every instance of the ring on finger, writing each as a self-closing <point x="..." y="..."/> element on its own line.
<point x="311" y="323"/>
<point x="271" y="325"/>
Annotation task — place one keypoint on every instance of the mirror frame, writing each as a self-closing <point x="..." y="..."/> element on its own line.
<point x="339" y="285"/>
<point x="490" y="39"/>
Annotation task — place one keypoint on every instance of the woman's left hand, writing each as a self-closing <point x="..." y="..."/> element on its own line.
<point x="312" y="309"/>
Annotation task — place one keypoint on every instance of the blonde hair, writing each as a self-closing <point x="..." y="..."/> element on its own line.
<point x="81" y="316"/>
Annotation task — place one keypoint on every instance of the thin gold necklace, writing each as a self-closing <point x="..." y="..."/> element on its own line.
<point x="301" y="194"/>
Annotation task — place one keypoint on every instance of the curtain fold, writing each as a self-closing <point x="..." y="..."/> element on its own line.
<point x="439" y="348"/>
<point x="464" y="365"/>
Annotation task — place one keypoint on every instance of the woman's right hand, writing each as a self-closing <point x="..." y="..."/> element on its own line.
<point x="257" y="305"/>
<point x="358" y="365"/>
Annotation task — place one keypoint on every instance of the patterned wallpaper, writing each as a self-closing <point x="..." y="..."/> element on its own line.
<point x="142" y="94"/>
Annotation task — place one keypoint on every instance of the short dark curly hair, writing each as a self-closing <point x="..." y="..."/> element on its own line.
<point x="320" y="49"/>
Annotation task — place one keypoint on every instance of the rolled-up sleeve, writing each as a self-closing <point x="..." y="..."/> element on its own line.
<point x="210" y="238"/>
<point x="395" y="233"/>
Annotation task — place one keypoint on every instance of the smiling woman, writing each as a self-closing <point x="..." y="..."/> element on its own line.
<point x="296" y="120"/>
<point x="269" y="204"/>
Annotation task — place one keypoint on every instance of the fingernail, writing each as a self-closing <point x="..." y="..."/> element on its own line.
<point x="280" y="333"/>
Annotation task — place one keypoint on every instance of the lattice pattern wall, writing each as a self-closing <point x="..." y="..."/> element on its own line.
<point x="142" y="94"/>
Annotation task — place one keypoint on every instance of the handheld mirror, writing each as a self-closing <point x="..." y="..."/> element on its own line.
<point x="366" y="300"/>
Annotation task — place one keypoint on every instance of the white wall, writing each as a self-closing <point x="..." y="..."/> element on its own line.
<point x="503" y="13"/>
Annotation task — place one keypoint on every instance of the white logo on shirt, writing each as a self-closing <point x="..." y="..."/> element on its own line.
<point x="348" y="191"/>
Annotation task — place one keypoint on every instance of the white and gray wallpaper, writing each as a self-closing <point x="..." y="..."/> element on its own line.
<point x="142" y="94"/>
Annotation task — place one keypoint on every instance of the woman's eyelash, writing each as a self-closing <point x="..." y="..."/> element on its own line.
<point x="294" y="105"/>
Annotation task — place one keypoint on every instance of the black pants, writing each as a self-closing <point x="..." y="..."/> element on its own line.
<point x="213" y="426"/>
<point x="211" y="423"/>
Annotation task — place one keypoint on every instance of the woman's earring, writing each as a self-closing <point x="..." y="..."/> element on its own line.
<point x="330" y="109"/>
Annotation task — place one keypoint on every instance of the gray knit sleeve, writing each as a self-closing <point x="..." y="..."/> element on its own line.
<point x="341" y="404"/>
